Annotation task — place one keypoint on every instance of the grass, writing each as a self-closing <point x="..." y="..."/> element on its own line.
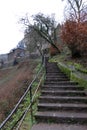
<point x="15" y="82"/>
<point x="80" y="68"/>
<point x="27" y="123"/>
<point x="22" y="107"/>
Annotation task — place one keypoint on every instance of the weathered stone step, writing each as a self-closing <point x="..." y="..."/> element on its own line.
<point x="62" y="107"/>
<point x="58" y="126"/>
<point x="62" y="99"/>
<point x="61" y="117"/>
<point x="53" y="68"/>
<point x="51" y="65"/>
<point x="50" y="69"/>
<point x="56" y="80"/>
<point x="61" y="87"/>
<point x="55" y="73"/>
<point x="55" y="77"/>
<point x="61" y="83"/>
<point x="63" y="93"/>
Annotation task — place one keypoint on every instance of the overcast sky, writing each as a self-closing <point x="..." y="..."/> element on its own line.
<point x="10" y="12"/>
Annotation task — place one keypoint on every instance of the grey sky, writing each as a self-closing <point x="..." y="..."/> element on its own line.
<point x="11" y="10"/>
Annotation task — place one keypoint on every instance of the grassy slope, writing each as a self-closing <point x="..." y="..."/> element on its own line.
<point x="13" y="82"/>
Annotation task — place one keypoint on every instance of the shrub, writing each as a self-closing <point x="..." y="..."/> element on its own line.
<point x="74" y="35"/>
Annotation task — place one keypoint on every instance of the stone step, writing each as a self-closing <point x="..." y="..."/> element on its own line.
<point x="62" y="99"/>
<point x="61" y="87"/>
<point x="55" y="73"/>
<point x="63" y="93"/>
<point x="54" y="77"/>
<point x="58" y="126"/>
<point x="60" y="83"/>
<point x="52" y="64"/>
<point x="56" y="80"/>
<point x="53" y="68"/>
<point x="62" y="107"/>
<point x="50" y="69"/>
<point x="61" y="117"/>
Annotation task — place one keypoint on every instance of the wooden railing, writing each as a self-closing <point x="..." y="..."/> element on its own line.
<point x="18" y="122"/>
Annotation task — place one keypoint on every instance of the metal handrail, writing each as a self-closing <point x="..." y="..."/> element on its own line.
<point x="26" y="111"/>
<point x="21" y="99"/>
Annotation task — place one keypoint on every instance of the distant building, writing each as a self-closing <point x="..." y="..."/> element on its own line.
<point x="4" y="57"/>
<point x="3" y="60"/>
<point x="16" y="53"/>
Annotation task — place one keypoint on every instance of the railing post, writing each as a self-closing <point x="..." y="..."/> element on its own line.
<point x="31" y="110"/>
<point x="46" y="58"/>
<point x="42" y="59"/>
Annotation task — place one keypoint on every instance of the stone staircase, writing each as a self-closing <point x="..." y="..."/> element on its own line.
<point x="61" y="101"/>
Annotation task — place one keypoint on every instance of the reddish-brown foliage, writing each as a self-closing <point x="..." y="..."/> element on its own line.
<point x="74" y="34"/>
<point x="53" y="51"/>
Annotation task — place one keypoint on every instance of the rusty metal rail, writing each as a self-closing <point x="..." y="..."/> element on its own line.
<point x="29" y="89"/>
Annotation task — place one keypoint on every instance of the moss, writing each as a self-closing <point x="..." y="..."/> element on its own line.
<point x="72" y="75"/>
<point x="80" y="68"/>
<point x="65" y="69"/>
<point x="82" y="82"/>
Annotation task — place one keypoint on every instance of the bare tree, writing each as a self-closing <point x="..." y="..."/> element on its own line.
<point x="76" y="10"/>
<point x="45" y="26"/>
<point x="34" y="41"/>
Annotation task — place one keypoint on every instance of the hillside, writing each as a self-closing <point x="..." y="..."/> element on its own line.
<point x="13" y="83"/>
